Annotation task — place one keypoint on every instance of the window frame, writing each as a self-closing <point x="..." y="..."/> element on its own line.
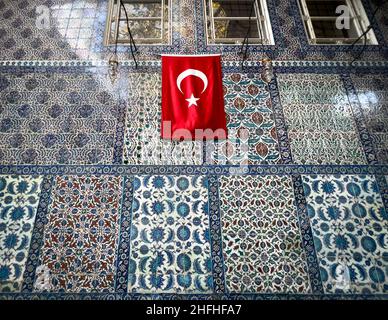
<point x="358" y="15"/>
<point x="261" y="18"/>
<point x="113" y="12"/>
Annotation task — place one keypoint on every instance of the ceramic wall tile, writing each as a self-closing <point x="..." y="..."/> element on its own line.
<point x="319" y="119"/>
<point x="170" y="244"/>
<point x="262" y="244"/>
<point x="373" y="95"/>
<point x="81" y="234"/>
<point x="19" y="199"/>
<point x="349" y="224"/>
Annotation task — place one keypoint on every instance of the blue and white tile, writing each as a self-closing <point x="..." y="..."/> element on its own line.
<point x="19" y="199"/>
<point x="170" y="245"/>
<point x="349" y="224"/>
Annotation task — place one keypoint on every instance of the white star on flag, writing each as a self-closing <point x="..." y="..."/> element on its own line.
<point x="192" y="100"/>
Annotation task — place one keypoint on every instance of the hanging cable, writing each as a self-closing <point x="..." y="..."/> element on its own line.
<point x="132" y="44"/>
<point x="246" y="39"/>
<point x="363" y="35"/>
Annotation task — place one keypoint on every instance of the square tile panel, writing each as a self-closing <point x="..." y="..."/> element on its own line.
<point x="349" y="225"/>
<point x="143" y="144"/>
<point x="321" y="128"/>
<point x="372" y="92"/>
<point x="56" y="118"/>
<point x="170" y="245"/>
<point x="252" y="135"/>
<point x="81" y="235"/>
<point x="19" y="199"/>
<point x="262" y="244"/>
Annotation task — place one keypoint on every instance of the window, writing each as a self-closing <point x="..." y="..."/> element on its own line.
<point x="320" y="22"/>
<point x="228" y="22"/>
<point x="149" y="22"/>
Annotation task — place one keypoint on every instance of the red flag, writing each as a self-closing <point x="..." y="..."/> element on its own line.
<point x="192" y="98"/>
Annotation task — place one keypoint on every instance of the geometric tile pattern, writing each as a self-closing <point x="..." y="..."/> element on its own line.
<point x="250" y="122"/>
<point x="81" y="234"/>
<point x="319" y="118"/>
<point x="349" y="224"/>
<point x="51" y="118"/>
<point x="373" y="95"/>
<point x="143" y="144"/>
<point x="170" y="245"/>
<point x="19" y="199"/>
<point x="262" y="243"/>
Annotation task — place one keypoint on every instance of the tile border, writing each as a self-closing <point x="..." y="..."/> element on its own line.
<point x="307" y="235"/>
<point x="37" y="234"/>
<point x="358" y="116"/>
<point x="278" y="169"/>
<point x="280" y="123"/>
<point x="216" y="236"/>
<point x="127" y="296"/>
<point x="124" y="241"/>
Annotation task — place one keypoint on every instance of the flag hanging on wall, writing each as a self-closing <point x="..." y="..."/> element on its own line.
<point x="192" y="98"/>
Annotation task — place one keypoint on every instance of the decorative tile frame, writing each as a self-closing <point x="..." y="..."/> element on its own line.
<point x="37" y="235"/>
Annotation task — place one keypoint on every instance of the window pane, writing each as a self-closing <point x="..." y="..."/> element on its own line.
<point x="323" y="8"/>
<point x="327" y="29"/>
<point x="235" y="29"/>
<point x="228" y="8"/>
<point x="140" y="29"/>
<point x="142" y="9"/>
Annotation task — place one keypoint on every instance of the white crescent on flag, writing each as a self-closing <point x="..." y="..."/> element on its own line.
<point x="192" y="72"/>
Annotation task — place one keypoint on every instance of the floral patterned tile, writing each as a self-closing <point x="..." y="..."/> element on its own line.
<point x="56" y="118"/>
<point x="349" y="226"/>
<point x="250" y="122"/>
<point x="81" y="235"/>
<point x="372" y="91"/>
<point x="321" y="128"/>
<point x="19" y="199"/>
<point x="170" y="245"/>
<point x="143" y="144"/>
<point x="262" y="243"/>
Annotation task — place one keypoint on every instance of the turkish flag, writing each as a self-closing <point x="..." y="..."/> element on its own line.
<point x="192" y="98"/>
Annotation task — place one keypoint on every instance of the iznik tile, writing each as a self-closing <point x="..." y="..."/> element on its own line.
<point x="56" y="118"/>
<point x="251" y="128"/>
<point x="170" y="245"/>
<point x="321" y="128"/>
<point x="81" y="235"/>
<point x="19" y="199"/>
<point x="27" y="33"/>
<point x="349" y="225"/>
<point x="262" y="244"/>
<point x="372" y="91"/>
<point x="143" y="144"/>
